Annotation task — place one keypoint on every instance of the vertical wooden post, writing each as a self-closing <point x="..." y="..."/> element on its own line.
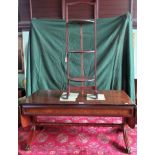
<point x="67" y="49"/>
<point x="97" y="9"/>
<point x="82" y="56"/>
<point x="95" y="16"/>
<point x="63" y="9"/>
<point x="30" y="2"/>
<point x="131" y="7"/>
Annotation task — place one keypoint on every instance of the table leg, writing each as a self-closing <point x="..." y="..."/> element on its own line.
<point x="31" y="136"/>
<point x="126" y="137"/>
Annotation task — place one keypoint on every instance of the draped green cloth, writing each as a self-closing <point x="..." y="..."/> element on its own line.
<point x="46" y="66"/>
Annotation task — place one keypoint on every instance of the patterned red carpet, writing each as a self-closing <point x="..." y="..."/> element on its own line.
<point x="71" y="140"/>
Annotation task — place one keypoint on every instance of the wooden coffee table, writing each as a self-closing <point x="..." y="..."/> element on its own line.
<point x="47" y="103"/>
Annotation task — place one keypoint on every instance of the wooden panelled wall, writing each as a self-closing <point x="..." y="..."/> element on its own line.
<point x="53" y="9"/>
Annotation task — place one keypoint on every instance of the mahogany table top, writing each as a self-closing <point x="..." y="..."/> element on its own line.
<point x="52" y="97"/>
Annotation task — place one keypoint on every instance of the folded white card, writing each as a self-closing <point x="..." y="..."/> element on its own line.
<point x="71" y="97"/>
<point x="93" y="97"/>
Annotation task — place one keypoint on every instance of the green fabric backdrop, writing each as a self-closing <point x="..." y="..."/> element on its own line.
<point x="46" y="67"/>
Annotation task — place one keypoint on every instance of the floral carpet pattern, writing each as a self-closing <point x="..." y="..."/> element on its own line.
<point x="78" y="140"/>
